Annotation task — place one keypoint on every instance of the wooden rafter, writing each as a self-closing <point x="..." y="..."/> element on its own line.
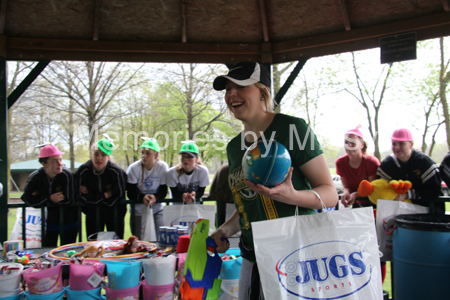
<point x="2" y="16"/>
<point x="183" y="16"/>
<point x="96" y="19"/>
<point x="262" y="9"/>
<point x="372" y="32"/>
<point x="345" y="15"/>
<point x="427" y="27"/>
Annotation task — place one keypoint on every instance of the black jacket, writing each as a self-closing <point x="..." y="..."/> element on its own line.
<point x="37" y="193"/>
<point x="112" y="178"/>
<point x="423" y="173"/>
<point x="445" y="169"/>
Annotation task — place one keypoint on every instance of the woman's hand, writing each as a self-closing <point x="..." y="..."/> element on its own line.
<point x="188" y="197"/>
<point x="345" y="197"/>
<point x="348" y="198"/>
<point x="352" y="198"/>
<point x="57" y="197"/>
<point x="222" y="243"/>
<point x="317" y="172"/>
<point x="149" y="199"/>
<point x="283" y="192"/>
<point x="84" y="189"/>
<point x="108" y="194"/>
<point x="401" y="197"/>
<point x="224" y="232"/>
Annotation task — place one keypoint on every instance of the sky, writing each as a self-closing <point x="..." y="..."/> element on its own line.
<point x="341" y="112"/>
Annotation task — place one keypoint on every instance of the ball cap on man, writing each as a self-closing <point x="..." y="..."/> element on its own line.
<point x="244" y="74"/>
<point x="402" y="135"/>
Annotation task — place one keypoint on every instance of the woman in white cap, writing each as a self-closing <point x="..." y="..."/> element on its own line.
<point x="101" y="183"/>
<point x="52" y="186"/>
<point x="248" y="98"/>
<point x="147" y="185"/>
<point x="355" y="167"/>
<point x="405" y="163"/>
<point x="188" y="180"/>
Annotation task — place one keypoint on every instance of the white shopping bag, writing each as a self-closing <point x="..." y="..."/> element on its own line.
<point x="386" y="212"/>
<point x="188" y="214"/>
<point x="33" y="221"/>
<point x="148" y="232"/>
<point x="330" y="255"/>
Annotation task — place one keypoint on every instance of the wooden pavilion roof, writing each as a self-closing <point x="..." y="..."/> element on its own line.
<point x="208" y="31"/>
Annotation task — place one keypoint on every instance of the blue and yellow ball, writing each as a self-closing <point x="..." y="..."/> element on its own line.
<point x="266" y="163"/>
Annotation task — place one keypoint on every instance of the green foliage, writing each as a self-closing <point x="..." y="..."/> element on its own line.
<point x="161" y="111"/>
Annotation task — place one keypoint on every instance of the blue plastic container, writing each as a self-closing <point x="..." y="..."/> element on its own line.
<point x="233" y="251"/>
<point x="123" y="274"/>
<point x="54" y="296"/>
<point x="95" y="294"/>
<point x="421" y="257"/>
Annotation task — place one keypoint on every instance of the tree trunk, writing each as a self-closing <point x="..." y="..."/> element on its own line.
<point x="190" y="101"/>
<point x="276" y="84"/>
<point x="443" y="80"/>
<point x="71" y="137"/>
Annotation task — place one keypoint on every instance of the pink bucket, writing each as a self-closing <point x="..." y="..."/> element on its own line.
<point x="119" y="294"/>
<point x="158" y="292"/>
<point x="79" y="275"/>
<point x="44" y="282"/>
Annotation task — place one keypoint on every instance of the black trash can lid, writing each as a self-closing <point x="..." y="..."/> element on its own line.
<point x="425" y="222"/>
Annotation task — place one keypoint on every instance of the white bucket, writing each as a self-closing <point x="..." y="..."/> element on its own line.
<point x="159" y="270"/>
<point x="10" y="283"/>
<point x="9" y="293"/>
<point x="229" y="289"/>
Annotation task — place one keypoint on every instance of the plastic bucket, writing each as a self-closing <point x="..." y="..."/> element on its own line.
<point x="53" y="296"/>
<point x="229" y="289"/>
<point x="15" y="297"/>
<point x="421" y="256"/>
<point x="158" y="292"/>
<point x="44" y="282"/>
<point x="79" y="275"/>
<point x="10" y="283"/>
<point x="231" y="269"/>
<point x="95" y="294"/>
<point x="10" y="293"/>
<point x="159" y="270"/>
<point x="123" y="274"/>
<point x="120" y="294"/>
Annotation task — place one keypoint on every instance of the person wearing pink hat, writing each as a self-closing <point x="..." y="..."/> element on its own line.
<point x="52" y="186"/>
<point x="355" y="167"/>
<point x="405" y="163"/>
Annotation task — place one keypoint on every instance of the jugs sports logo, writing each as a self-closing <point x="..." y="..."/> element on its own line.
<point x="312" y="272"/>
<point x="185" y="220"/>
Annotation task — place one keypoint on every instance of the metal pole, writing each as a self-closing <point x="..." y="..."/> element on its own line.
<point x="3" y="151"/>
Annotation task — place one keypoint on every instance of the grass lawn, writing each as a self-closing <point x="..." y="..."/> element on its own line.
<point x="14" y="194"/>
<point x="387" y="282"/>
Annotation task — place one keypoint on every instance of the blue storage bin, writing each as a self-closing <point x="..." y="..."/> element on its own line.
<point x="421" y="257"/>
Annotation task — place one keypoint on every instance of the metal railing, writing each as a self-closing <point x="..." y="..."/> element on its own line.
<point x="78" y="206"/>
